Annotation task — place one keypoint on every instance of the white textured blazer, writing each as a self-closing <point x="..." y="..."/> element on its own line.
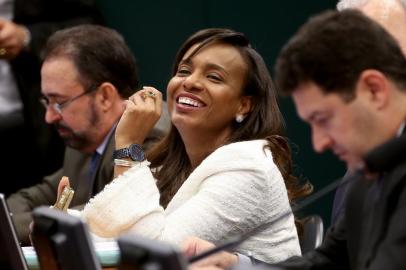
<point x="234" y="190"/>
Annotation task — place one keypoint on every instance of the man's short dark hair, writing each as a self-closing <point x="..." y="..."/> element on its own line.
<point x="100" y="54"/>
<point x="333" y="49"/>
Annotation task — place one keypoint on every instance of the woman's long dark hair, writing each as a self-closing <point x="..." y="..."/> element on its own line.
<point x="264" y="121"/>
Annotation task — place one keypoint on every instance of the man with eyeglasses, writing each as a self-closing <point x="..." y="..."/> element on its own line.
<point x="87" y="75"/>
<point x="59" y="106"/>
<point x="25" y="25"/>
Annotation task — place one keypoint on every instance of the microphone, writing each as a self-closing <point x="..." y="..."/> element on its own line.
<point x="380" y="159"/>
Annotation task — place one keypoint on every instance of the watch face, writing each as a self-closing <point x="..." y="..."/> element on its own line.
<point x="136" y="152"/>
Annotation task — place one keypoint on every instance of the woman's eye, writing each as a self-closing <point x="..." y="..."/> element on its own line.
<point x="321" y="121"/>
<point x="215" y="77"/>
<point x="183" y="71"/>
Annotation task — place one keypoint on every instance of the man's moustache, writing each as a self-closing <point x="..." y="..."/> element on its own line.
<point x="62" y="126"/>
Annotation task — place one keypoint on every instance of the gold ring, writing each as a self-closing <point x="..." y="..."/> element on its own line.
<point x="149" y="94"/>
<point x="3" y="51"/>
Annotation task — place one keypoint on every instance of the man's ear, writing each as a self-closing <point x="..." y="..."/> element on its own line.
<point x="106" y="95"/>
<point x="375" y="87"/>
<point x="246" y="104"/>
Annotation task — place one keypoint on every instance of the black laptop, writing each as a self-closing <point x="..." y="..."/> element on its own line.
<point x="11" y="255"/>
<point x="62" y="241"/>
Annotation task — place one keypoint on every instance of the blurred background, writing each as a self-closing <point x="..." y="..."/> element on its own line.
<point x="155" y="29"/>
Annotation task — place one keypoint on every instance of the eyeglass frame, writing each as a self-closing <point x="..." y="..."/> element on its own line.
<point x="58" y="107"/>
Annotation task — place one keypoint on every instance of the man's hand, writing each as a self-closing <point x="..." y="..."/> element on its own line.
<point x="64" y="182"/>
<point x="222" y="260"/>
<point x="12" y="39"/>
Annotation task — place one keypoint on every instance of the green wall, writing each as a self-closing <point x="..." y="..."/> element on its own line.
<point x="155" y="29"/>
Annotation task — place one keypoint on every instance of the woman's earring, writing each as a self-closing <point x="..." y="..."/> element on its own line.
<point x="239" y="118"/>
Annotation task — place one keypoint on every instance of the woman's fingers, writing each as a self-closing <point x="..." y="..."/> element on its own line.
<point x="153" y="96"/>
<point x="142" y="112"/>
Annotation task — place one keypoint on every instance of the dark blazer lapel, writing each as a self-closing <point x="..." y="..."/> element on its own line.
<point x="77" y="171"/>
<point x="105" y="169"/>
<point x="380" y="216"/>
<point x="359" y="208"/>
<point x="387" y="203"/>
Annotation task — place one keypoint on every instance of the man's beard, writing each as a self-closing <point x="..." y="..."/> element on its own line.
<point x="80" y="140"/>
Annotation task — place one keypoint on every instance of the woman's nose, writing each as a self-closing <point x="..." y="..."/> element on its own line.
<point x="193" y="82"/>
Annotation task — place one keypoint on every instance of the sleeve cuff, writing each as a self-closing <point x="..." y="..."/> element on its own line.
<point x="243" y="260"/>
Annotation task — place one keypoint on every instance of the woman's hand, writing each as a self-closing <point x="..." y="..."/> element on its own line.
<point x="142" y="112"/>
<point x="221" y="260"/>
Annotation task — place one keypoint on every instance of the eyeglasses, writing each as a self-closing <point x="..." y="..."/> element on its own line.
<point x="58" y="107"/>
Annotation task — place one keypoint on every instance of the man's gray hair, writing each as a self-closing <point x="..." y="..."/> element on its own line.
<point x="345" y="4"/>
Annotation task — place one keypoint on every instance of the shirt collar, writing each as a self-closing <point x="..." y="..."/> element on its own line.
<point x="103" y="145"/>
<point x="401" y="129"/>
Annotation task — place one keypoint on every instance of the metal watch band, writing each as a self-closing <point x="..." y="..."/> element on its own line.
<point x="134" y="151"/>
<point x="121" y="153"/>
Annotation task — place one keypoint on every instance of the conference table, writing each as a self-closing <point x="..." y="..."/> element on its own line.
<point x="107" y="252"/>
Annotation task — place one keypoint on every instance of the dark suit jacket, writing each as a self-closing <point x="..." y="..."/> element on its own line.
<point x="340" y="198"/>
<point x="42" y="18"/>
<point x="372" y="233"/>
<point x="76" y="167"/>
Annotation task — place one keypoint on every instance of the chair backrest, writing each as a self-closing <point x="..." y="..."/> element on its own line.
<point x="313" y="231"/>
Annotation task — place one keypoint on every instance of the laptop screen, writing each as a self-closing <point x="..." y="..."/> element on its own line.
<point x="138" y="252"/>
<point x="11" y="256"/>
<point x="62" y="241"/>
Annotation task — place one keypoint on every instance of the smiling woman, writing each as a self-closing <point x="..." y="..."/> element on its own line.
<point x="203" y="84"/>
<point x="224" y="167"/>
